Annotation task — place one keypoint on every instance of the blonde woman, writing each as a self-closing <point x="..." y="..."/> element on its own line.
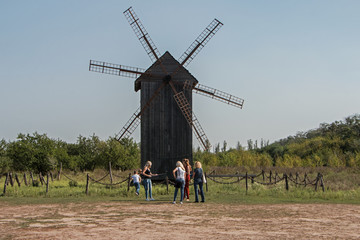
<point x="147" y="181"/>
<point x="198" y="182"/>
<point x="187" y="178"/>
<point x="179" y="175"/>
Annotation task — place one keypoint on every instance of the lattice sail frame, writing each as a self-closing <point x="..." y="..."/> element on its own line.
<point x="142" y="34"/>
<point x="185" y="108"/>
<point x="115" y="69"/>
<point x="200" y="42"/>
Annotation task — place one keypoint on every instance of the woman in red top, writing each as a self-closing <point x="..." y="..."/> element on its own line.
<point x="187" y="178"/>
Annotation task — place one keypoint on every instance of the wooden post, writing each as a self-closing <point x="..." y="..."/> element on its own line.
<point x="87" y="184"/>
<point x="305" y="176"/>
<point x="317" y="181"/>
<point x="25" y="180"/>
<point x="206" y="184"/>
<point x="11" y="179"/>
<point x="263" y="174"/>
<point x="110" y="173"/>
<point x="297" y="178"/>
<point x="270" y="176"/>
<point x="167" y="184"/>
<point x="59" y="173"/>
<point x="6" y="182"/>
<point x="32" y="179"/>
<point x="129" y="181"/>
<point x="246" y="182"/>
<point x="47" y="182"/>
<point x="286" y="182"/>
<point x="17" y="179"/>
<point x="40" y="178"/>
<point x="322" y="183"/>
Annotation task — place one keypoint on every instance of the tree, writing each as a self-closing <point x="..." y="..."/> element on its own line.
<point x="34" y="152"/>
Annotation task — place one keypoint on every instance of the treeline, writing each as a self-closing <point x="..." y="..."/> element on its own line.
<point x="39" y="153"/>
<point x="335" y="145"/>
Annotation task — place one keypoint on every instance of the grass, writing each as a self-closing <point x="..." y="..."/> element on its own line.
<point x="341" y="187"/>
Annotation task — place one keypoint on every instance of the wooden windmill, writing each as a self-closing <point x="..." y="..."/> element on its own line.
<point x="167" y="120"/>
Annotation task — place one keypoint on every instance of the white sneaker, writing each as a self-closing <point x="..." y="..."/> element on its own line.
<point x="147" y="199"/>
<point x="181" y="203"/>
<point x="174" y="202"/>
<point x="152" y="199"/>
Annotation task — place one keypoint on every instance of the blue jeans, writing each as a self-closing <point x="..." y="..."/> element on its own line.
<point x="200" y="185"/>
<point x="148" y="188"/>
<point x="181" y="190"/>
<point x="137" y="187"/>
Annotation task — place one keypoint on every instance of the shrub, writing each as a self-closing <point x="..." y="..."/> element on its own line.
<point x="73" y="183"/>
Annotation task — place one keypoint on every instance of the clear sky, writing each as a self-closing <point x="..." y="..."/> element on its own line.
<point x="296" y="64"/>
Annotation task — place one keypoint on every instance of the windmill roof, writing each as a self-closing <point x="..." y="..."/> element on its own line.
<point x="156" y="72"/>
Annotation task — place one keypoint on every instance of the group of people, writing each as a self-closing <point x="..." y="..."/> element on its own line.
<point x="182" y="175"/>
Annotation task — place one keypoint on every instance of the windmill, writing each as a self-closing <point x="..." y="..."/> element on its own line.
<point x="165" y="112"/>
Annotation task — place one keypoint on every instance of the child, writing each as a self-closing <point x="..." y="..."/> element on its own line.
<point x="136" y="179"/>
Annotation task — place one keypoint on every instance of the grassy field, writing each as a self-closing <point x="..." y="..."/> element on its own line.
<point x="341" y="186"/>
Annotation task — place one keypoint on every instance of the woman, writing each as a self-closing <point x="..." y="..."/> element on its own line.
<point x="198" y="182"/>
<point x="147" y="181"/>
<point x="180" y="181"/>
<point x="187" y="178"/>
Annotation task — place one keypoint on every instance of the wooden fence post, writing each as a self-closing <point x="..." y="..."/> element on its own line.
<point x="322" y="183"/>
<point x="41" y="179"/>
<point x="47" y="182"/>
<point x="129" y="181"/>
<point x="111" y="177"/>
<point x="270" y="176"/>
<point x="286" y="182"/>
<point x="246" y="182"/>
<point x="305" y="176"/>
<point x="263" y="174"/>
<point x="297" y="178"/>
<point x="317" y="181"/>
<point x="87" y="184"/>
<point x="59" y="173"/>
<point x="206" y="184"/>
<point x="32" y="178"/>
<point x="11" y="179"/>
<point x="17" y="180"/>
<point x="25" y="180"/>
<point x="6" y="182"/>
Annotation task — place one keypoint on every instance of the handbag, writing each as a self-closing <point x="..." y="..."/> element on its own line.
<point x="203" y="178"/>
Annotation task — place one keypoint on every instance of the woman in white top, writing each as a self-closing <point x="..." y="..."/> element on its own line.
<point x="179" y="175"/>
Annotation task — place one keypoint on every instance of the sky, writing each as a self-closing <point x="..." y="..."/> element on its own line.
<point x="296" y="64"/>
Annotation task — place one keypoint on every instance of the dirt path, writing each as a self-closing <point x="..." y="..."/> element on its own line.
<point x="159" y="220"/>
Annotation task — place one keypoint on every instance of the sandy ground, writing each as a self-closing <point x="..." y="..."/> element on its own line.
<point x="163" y="220"/>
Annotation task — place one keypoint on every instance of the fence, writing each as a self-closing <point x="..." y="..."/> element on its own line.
<point x="270" y="179"/>
<point x="261" y="178"/>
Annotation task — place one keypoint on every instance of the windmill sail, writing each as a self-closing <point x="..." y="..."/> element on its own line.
<point x="115" y="69"/>
<point x="142" y="34"/>
<point x="219" y="95"/>
<point x="192" y="119"/>
<point x="200" y="42"/>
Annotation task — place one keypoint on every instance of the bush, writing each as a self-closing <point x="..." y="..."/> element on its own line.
<point x="36" y="183"/>
<point x="73" y="183"/>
